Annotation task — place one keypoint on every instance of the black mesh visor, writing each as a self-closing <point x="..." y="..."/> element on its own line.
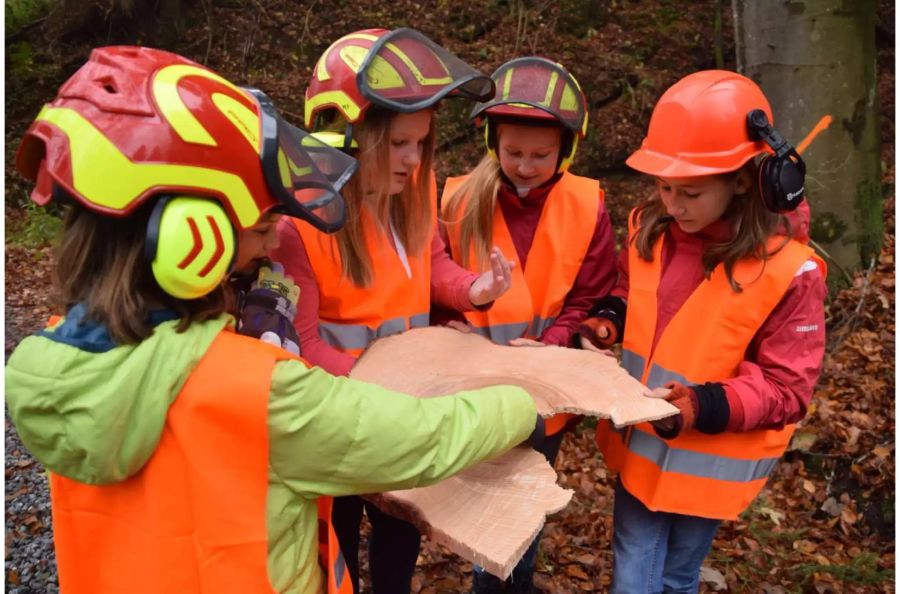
<point x="405" y="71"/>
<point x="303" y="173"/>
<point x="529" y="83"/>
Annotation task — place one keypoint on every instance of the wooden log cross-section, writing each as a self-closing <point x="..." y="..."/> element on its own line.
<point x="489" y="514"/>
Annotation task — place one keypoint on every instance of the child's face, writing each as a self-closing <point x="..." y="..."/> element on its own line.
<point x="255" y="243"/>
<point x="407" y="133"/>
<point x="528" y="154"/>
<point x="695" y="202"/>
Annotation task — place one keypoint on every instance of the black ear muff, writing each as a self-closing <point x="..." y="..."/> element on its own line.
<point x="782" y="175"/>
<point x="191" y="245"/>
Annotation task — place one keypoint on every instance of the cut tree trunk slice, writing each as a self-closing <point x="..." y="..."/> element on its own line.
<point x="490" y="513"/>
<point x="437" y="361"/>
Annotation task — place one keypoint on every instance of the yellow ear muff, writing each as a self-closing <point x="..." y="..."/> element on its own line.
<point x="489" y="140"/>
<point x="567" y="159"/>
<point x="190" y="245"/>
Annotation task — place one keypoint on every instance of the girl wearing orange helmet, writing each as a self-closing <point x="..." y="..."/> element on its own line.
<point x="375" y="92"/>
<point x="522" y="197"/>
<point x="176" y="462"/>
<point x="722" y="310"/>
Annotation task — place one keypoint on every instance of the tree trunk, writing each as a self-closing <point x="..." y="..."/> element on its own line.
<point x="813" y="58"/>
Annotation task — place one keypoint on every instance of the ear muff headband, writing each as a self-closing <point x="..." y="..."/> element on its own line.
<point x="191" y="245"/>
<point x="567" y="147"/>
<point x="782" y="175"/>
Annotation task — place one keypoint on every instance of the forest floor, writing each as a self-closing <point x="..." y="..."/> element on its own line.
<point x="825" y="522"/>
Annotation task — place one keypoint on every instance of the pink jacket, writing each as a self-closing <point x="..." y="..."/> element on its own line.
<point x="776" y="380"/>
<point x="449" y="287"/>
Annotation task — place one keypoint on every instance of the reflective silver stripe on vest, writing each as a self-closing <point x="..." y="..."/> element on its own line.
<point x="633" y="364"/>
<point x="420" y="320"/>
<point x="539" y="325"/>
<point x="359" y="336"/>
<point x="697" y="464"/>
<point x="340" y="566"/>
<point x="659" y="376"/>
<point x="503" y="333"/>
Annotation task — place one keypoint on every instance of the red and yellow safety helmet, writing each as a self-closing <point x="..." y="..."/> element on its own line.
<point x="699" y="126"/>
<point x="401" y="70"/>
<point x="134" y="123"/>
<point x="539" y="89"/>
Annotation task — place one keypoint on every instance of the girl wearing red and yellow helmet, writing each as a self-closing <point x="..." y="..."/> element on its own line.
<point x="522" y="198"/>
<point x="375" y="91"/>
<point x="175" y="459"/>
<point x="722" y="309"/>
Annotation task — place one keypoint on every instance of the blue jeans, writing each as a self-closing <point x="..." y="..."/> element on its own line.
<point x="522" y="579"/>
<point x="657" y="551"/>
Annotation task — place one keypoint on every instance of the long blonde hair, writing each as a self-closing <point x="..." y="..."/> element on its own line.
<point x="475" y="217"/>
<point x="409" y="212"/>
<point x="752" y="224"/>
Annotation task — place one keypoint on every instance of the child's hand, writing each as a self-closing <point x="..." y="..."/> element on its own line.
<point x="492" y="284"/>
<point x="685" y="400"/>
<point x="268" y="310"/>
<point x="598" y="332"/>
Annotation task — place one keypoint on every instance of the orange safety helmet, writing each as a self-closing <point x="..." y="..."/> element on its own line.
<point x="699" y="127"/>
<point x="138" y="124"/>
<point x="401" y="70"/>
<point x="536" y="88"/>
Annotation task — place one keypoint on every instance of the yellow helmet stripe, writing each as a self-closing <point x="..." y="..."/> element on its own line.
<point x="165" y="91"/>
<point x="106" y="177"/>
<point x="551" y="88"/>
<point x="321" y="67"/>
<point x="350" y="108"/>
<point x="423" y="80"/>
<point x="507" y="82"/>
<point x="242" y="117"/>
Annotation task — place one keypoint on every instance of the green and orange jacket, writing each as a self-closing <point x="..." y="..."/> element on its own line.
<point x="94" y="412"/>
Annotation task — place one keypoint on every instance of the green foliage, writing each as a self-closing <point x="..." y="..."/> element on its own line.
<point x="862" y="570"/>
<point x="19" y="13"/>
<point x="869" y="205"/>
<point x="40" y="227"/>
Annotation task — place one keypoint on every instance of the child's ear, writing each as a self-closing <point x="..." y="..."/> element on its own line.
<point x="744" y="180"/>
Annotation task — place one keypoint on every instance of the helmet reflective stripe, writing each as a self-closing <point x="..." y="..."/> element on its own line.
<point x="165" y="92"/>
<point x="322" y="67"/>
<point x="109" y="180"/>
<point x="349" y="107"/>
<point x="286" y="166"/>
<point x="241" y="116"/>
<point x="422" y="79"/>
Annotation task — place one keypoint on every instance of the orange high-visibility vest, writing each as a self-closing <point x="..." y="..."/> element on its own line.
<point x="711" y="476"/>
<point x="194" y="518"/>
<point x="536" y="295"/>
<point x="351" y="317"/>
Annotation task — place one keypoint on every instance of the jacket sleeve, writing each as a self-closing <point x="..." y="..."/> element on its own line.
<point x="338" y="436"/>
<point x="595" y="278"/>
<point x="291" y="253"/>
<point x="450" y="282"/>
<point x="775" y="382"/>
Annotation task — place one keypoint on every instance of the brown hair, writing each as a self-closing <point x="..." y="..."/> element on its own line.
<point x="409" y="212"/>
<point x="100" y="262"/>
<point x="476" y="219"/>
<point x="751" y="222"/>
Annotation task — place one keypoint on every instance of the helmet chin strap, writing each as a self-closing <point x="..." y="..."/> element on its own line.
<point x="348" y="138"/>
